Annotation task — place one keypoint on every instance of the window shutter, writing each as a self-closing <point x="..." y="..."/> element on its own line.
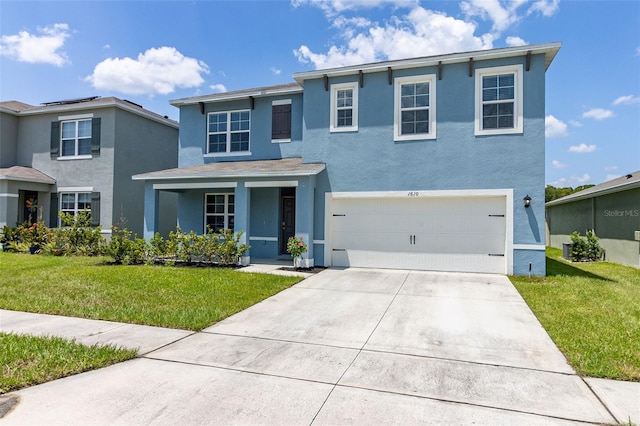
<point x="55" y="139"/>
<point x="281" y="122"/>
<point x="53" y="211"/>
<point x="95" y="209"/>
<point x="95" y="136"/>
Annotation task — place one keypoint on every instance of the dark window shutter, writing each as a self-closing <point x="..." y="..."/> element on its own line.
<point x="95" y="136"/>
<point x="55" y="139"/>
<point x="281" y="122"/>
<point x="95" y="209"/>
<point x="53" y="211"/>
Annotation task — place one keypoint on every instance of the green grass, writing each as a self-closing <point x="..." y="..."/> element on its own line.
<point x="28" y="360"/>
<point x="174" y="297"/>
<point x="592" y="313"/>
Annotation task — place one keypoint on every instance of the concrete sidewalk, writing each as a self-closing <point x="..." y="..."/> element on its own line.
<point x="342" y="347"/>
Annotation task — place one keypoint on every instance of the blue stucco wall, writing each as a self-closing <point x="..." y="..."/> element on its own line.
<point x="193" y="130"/>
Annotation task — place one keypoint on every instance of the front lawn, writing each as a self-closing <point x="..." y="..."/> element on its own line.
<point x="592" y="313"/>
<point x="174" y="297"/>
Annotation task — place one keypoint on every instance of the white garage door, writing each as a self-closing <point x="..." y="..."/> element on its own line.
<point x="464" y="234"/>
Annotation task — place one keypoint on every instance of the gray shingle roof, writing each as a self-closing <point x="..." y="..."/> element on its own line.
<point x="25" y="174"/>
<point x="628" y="181"/>
<point x="238" y="169"/>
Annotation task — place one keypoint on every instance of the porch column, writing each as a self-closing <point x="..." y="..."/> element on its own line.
<point x="151" y="200"/>
<point x="241" y="218"/>
<point x="305" y="206"/>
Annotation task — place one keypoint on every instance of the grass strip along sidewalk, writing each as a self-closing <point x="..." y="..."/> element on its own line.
<point x="592" y="313"/>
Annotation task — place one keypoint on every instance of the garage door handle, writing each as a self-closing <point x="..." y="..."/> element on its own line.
<point x="495" y="254"/>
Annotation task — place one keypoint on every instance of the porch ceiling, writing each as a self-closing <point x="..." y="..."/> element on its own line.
<point x="25" y="174"/>
<point x="238" y="169"/>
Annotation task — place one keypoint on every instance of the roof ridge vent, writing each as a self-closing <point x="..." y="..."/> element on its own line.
<point x="629" y="176"/>
<point x="133" y="103"/>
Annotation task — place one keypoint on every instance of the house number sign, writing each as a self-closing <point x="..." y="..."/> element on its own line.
<point x="413" y="194"/>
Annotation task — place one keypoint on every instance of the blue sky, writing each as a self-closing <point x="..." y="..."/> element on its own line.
<point x="150" y="52"/>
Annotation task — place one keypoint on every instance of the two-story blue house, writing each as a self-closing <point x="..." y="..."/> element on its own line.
<point x="433" y="163"/>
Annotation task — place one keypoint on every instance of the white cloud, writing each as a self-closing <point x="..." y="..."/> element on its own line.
<point x="554" y="128"/>
<point x="628" y="99"/>
<point x="611" y="168"/>
<point x="334" y="7"/>
<point x="575" y="123"/>
<point x="276" y="71"/>
<point x="581" y="179"/>
<point x="420" y="33"/>
<point x="612" y="177"/>
<point x="598" y="114"/>
<point x="582" y="148"/>
<point x="558" y="165"/>
<point x="501" y="16"/>
<point x="545" y="7"/>
<point x="573" y="181"/>
<point x="37" y="49"/>
<point x="218" y="88"/>
<point x="156" y="71"/>
<point x="515" y="41"/>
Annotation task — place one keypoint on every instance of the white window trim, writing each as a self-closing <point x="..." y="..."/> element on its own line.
<point x="77" y="139"/>
<point x="75" y="117"/>
<point x="428" y="78"/>
<point x="226" y="209"/>
<point x="517" y="70"/>
<point x="228" y="132"/>
<point x="332" y="121"/>
<point x="76" y="192"/>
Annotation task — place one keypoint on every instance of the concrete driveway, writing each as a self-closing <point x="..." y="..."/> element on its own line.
<point x="350" y="346"/>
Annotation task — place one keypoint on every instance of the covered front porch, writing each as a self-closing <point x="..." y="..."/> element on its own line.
<point x="267" y="200"/>
<point x="24" y="195"/>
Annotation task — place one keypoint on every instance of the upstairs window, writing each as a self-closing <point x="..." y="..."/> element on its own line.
<point x="219" y="211"/>
<point x="75" y="137"/>
<point x="228" y="132"/>
<point x="344" y="108"/>
<point x="281" y="121"/>
<point x="415" y="108"/>
<point x="499" y="100"/>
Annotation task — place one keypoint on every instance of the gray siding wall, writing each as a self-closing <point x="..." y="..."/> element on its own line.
<point x="8" y="139"/>
<point x="141" y="146"/>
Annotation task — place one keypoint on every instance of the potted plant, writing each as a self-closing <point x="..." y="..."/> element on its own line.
<point x="296" y="247"/>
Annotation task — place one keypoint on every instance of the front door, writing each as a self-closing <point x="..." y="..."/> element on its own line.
<point x="30" y="212"/>
<point x="287" y="217"/>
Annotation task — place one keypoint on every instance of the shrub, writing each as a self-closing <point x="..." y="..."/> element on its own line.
<point x="125" y="247"/>
<point x="585" y="249"/>
<point x="230" y="248"/>
<point x="78" y="237"/>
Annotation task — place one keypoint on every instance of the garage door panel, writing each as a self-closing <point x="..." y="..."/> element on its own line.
<point x="452" y="233"/>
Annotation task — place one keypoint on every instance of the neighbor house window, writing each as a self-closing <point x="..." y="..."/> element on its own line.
<point x="228" y="132"/>
<point x="281" y="120"/>
<point x="499" y="100"/>
<point x="344" y="107"/>
<point x="75" y="138"/>
<point x="415" y="108"/>
<point x="219" y="211"/>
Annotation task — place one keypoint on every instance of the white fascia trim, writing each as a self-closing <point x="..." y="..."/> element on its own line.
<point x="75" y="189"/>
<point x="235" y="95"/>
<point x="518" y="71"/>
<point x="238" y="175"/>
<point x="263" y="239"/>
<point x="539" y="247"/>
<point x="398" y="82"/>
<point x="195" y="185"/>
<point x="281" y="102"/>
<point x="21" y="179"/>
<point x="75" y="117"/>
<point x="354" y="108"/>
<point x="272" y="184"/>
<point x="549" y="49"/>
<point x="8" y="195"/>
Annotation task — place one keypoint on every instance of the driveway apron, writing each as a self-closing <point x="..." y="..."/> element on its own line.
<point x="353" y="346"/>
